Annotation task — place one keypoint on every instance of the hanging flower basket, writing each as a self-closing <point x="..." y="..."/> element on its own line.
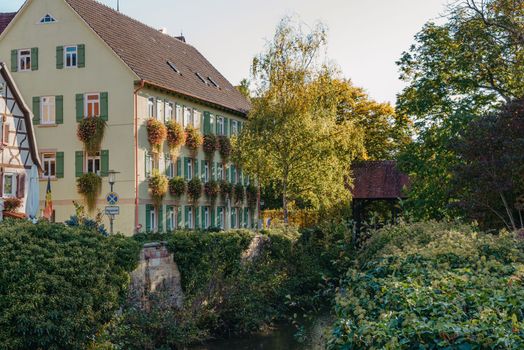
<point x="211" y="189"/>
<point x="12" y="204"/>
<point x="210" y="146"/>
<point x="158" y="186"/>
<point x="89" y="186"/>
<point x="224" y="148"/>
<point x="90" y="132"/>
<point x="176" y="137"/>
<point x="226" y="189"/>
<point x="193" y="140"/>
<point x="177" y="186"/>
<point x="194" y="189"/>
<point x="251" y="195"/>
<point x="156" y="134"/>
<point x="239" y="193"/>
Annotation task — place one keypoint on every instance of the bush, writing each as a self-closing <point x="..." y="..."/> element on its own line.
<point x="175" y="137"/>
<point x="89" y="185"/>
<point x="239" y="193"/>
<point x="224" y="148"/>
<point x="194" y="189"/>
<point x="212" y="188"/>
<point x="433" y="285"/>
<point x="226" y="189"/>
<point x="177" y="186"/>
<point x="193" y="139"/>
<point x="158" y="186"/>
<point x="59" y="285"/>
<point x="210" y="146"/>
<point x="12" y="204"/>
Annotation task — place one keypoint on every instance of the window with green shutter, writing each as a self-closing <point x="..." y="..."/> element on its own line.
<point x="34" y="58"/>
<point x="179" y="217"/>
<point x="59" y="109"/>
<point x="186" y="168"/>
<point x="196" y="173"/>
<point x="213" y="222"/>
<point x="104" y="160"/>
<point x="202" y="170"/>
<point x="79" y="107"/>
<point x="212" y="124"/>
<point x="149" y="224"/>
<point x="59" y="57"/>
<point x="179" y="167"/>
<point x="36" y="110"/>
<point x="160" y="218"/>
<point x="187" y="219"/>
<point x="79" y="163"/>
<point x="197" y="217"/>
<point x="226" y="126"/>
<point x="104" y="106"/>
<point x="207" y="123"/>
<point x="81" y="56"/>
<point x="246" y="217"/>
<point x="59" y="165"/>
<point x="203" y="216"/>
<point x="14" y="60"/>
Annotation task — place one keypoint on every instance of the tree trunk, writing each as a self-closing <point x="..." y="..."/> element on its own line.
<point x="508" y="211"/>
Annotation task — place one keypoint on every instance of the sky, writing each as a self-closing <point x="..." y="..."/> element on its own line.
<point x="366" y="37"/>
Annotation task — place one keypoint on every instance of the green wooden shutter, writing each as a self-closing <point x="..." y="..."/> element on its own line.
<point x="213" y="223"/>
<point x="36" y="110"/>
<point x="104" y="160"/>
<point x="246" y="217"/>
<point x="104" y="106"/>
<point x="203" y="213"/>
<point x="59" y="165"/>
<point x="34" y="58"/>
<point x="226" y="126"/>
<point x="179" y="167"/>
<point x="212" y="123"/>
<point x="195" y="170"/>
<point x="79" y="107"/>
<point x="59" y="109"/>
<point x="197" y="217"/>
<point x="79" y="163"/>
<point x="59" y="57"/>
<point x="14" y="60"/>
<point x="179" y="217"/>
<point x="160" y="218"/>
<point x="149" y="207"/>
<point x="207" y="124"/>
<point x="231" y="127"/>
<point x="233" y="174"/>
<point x="240" y="178"/>
<point x="213" y="171"/>
<point x="81" y="51"/>
<point x="203" y="170"/>
<point x="227" y="172"/>
<point x="186" y="168"/>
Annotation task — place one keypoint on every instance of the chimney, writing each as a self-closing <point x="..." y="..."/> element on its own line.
<point x="181" y="38"/>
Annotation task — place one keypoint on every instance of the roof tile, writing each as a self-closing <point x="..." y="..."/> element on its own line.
<point x="5" y="19"/>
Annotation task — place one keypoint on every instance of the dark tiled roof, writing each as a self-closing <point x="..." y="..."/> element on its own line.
<point x="5" y="19"/>
<point x="146" y="51"/>
<point x="378" y="180"/>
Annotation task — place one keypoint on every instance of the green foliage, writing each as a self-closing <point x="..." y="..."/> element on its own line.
<point x="177" y="186"/>
<point x="433" y="285"/>
<point x="224" y="148"/>
<point x="12" y="204"/>
<point x="193" y="139"/>
<point x="59" y="285"/>
<point x="251" y="195"/>
<point x="156" y="134"/>
<point x="91" y="131"/>
<point x="210" y="145"/>
<point x="158" y="186"/>
<point x="212" y="188"/>
<point x="239" y="193"/>
<point x="226" y="189"/>
<point x="89" y="185"/>
<point x="194" y="189"/>
<point x="176" y="137"/>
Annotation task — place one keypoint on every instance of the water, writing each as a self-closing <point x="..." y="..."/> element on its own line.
<point x="280" y="338"/>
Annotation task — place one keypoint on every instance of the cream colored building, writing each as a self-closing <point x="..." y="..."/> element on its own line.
<point x="78" y="58"/>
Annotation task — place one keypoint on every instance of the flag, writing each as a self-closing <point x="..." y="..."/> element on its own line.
<point x="48" y="210"/>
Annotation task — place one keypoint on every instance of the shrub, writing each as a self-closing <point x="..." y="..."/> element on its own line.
<point x="226" y="189"/>
<point x="59" y="285"/>
<point x="176" y="137"/>
<point x="12" y="204"/>
<point x="211" y="189"/>
<point x="158" y="185"/>
<point x="194" y="189"/>
<point x="89" y="185"/>
<point x="433" y="285"/>
<point x="193" y="139"/>
<point x="210" y="146"/>
<point x="251" y="195"/>
<point x="177" y="186"/>
<point x="156" y="134"/>
<point x="239" y="193"/>
<point x="90" y="132"/>
<point x="224" y="148"/>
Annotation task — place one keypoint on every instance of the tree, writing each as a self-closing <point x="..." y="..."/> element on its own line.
<point x="487" y="182"/>
<point x="243" y="87"/>
<point x="456" y="71"/>
<point x="293" y="137"/>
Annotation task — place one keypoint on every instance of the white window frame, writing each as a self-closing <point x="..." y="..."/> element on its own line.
<point x="234" y="127"/>
<point x="47" y="110"/>
<point x="148" y="164"/>
<point x="170" y="168"/>
<point x="197" y="116"/>
<point x="189" y="169"/>
<point x="179" y="114"/>
<point x="206" y="171"/>
<point x="93" y="160"/>
<point x="159" y="109"/>
<point x="153" y="220"/>
<point x="150" y="107"/>
<point x="47" y="159"/>
<point x="206" y="217"/>
<point x="188" y="116"/>
<point x="170" y="218"/>
<point x="75" y="55"/>
<point x="88" y="102"/>
<point x="169" y="111"/>
<point x="220" y="172"/>
<point x="13" y="185"/>
<point x="26" y="59"/>
<point x="220" y="125"/>
<point x="190" y="217"/>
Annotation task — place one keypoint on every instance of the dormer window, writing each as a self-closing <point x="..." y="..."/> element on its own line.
<point x="201" y="78"/>
<point x="173" y="66"/>
<point x="47" y="19"/>
<point x="213" y="82"/>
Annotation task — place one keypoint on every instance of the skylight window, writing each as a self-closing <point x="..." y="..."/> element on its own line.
<point x="172" y="65"/>
<point x="47" y="19"/>
<point x="213" y="82"/>
<point x="201" y="78"/>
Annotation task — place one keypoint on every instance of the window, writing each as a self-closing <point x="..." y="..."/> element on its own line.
<point x="196" y="118"/>
<point x="9" y="189"/>
<point x="92" y="103"/>
<point x="206" y="217"/>
<point x="201" y="78"/>
<point x="170" y="168"/>
<point x="233" y="217"/>
<point x="220" y="172"/>
<point x="24" y="60"/>
<point x="151" y="107"/>
<point x="187" y="116"/>
<point x="189" y="168"/>
<point x="179" y="112"/>
<point x="170" y="219"/>
<point x="152" y="218"/>
<point x="49" y="164"/>
<point x="47" y="19"/>
<point x="71" y="56"/>
<point x="213" y="82"/>
<point x="234" y="127"/>
<point x="169" y="111"/>
<point x="159" y="109"/>
<point x="93" y="163"/>
<point x="220" y="125"/>
<point x="148" y="164"/>
<point x="190" y="217"/>
<point x="220" y="218"/>
<point x="47" y="110"/>
<point x="173" y="66"/>
<point x="206" y="172"/>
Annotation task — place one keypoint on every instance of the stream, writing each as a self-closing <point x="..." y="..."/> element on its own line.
<point x="282" y="337"/>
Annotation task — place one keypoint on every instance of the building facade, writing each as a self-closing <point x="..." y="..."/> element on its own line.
<point x="77" y="59"/>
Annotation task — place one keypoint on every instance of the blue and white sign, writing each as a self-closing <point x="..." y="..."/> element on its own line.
<point x="112" y="210"/>
<point x="112" y="198"/>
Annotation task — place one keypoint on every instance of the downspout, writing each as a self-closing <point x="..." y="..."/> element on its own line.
<point x="140" y="87"/>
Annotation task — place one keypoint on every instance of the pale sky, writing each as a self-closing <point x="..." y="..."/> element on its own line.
<point x="366" y="37"/>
